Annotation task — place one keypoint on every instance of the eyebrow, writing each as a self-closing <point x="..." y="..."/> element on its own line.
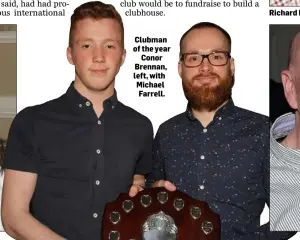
<point x="84" y="40"/>
<point x="92" y="40"/>
<point x="212" y="50"/>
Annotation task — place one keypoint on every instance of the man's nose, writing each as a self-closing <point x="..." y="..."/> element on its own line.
<point x="205" y="66"/>
<point x="98" y="55"/>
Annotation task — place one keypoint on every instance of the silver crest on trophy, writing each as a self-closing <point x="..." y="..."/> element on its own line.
<point x="159" y="226"/>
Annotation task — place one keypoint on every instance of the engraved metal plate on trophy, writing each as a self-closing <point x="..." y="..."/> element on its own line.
<point x="207" y="227"/>
<point x="145" y="200"/>
<point x="114" y="235"/>
<point x="162" y="197"/>
<point x="178" y="204"/>
<point x="127" y="206"/>
<point x="158" y="214"/>
<point x="195" y="212"/>
<point x="115" y="217"/>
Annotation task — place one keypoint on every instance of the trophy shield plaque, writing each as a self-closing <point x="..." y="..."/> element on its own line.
<point x="158" y="214"/>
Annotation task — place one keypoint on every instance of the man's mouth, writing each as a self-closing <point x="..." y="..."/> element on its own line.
<point x="99" y="71"/>
<point x="205" y="78"/>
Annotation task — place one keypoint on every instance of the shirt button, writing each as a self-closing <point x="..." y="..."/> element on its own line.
<point x="99" y="122"/>
<point x="204" y="130"/>
<point x="98" y="151"/>
<point x="87" y="103"/>
<point x="97" y="182"/>
<point x="95" y="215"/>
<point x="113" y="107"/>
<point x="220" y="118"/>
<point x="80" y="105"/>
<point x="202" y="157"/>
<point x="201" y="187"/>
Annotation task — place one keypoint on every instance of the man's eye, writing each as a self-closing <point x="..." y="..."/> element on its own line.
<point x="85" y="46"/>
<point x="219" y="56"/>
<point x="192" y="58"/>
<point x="110" y="46"/>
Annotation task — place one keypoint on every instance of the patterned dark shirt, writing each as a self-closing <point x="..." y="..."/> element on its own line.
<point x="225" y="164"/>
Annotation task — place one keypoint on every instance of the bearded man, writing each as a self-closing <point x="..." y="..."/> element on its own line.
<point x="215" y="151"/>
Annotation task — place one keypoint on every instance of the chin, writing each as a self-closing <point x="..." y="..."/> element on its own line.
<point x="97" y="83"/>
<point x="99" y="87"/>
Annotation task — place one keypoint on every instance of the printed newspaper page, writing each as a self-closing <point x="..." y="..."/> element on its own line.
<point x="147" y="66"/>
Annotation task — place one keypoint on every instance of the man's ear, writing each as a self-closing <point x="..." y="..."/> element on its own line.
<point x="232" y="66"/>
<point x="69" y="55"/>
<point x="180" y="65"/>
<point x="123" y="57"/>
<point x="180" y="69"/>
<point x="288" y="83"/>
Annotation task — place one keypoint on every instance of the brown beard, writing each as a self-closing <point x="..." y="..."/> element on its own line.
<point x="206" y="97"/>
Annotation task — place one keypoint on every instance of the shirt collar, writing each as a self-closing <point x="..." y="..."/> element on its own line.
<point x="281" y="128"/>
<point x="225" y="110"/>
<point x="79" y="100"/>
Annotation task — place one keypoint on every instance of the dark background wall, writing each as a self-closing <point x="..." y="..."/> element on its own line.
<point x="280" y="38"/>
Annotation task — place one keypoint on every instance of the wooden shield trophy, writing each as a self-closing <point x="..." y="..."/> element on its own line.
<point x="158" y="214"/>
